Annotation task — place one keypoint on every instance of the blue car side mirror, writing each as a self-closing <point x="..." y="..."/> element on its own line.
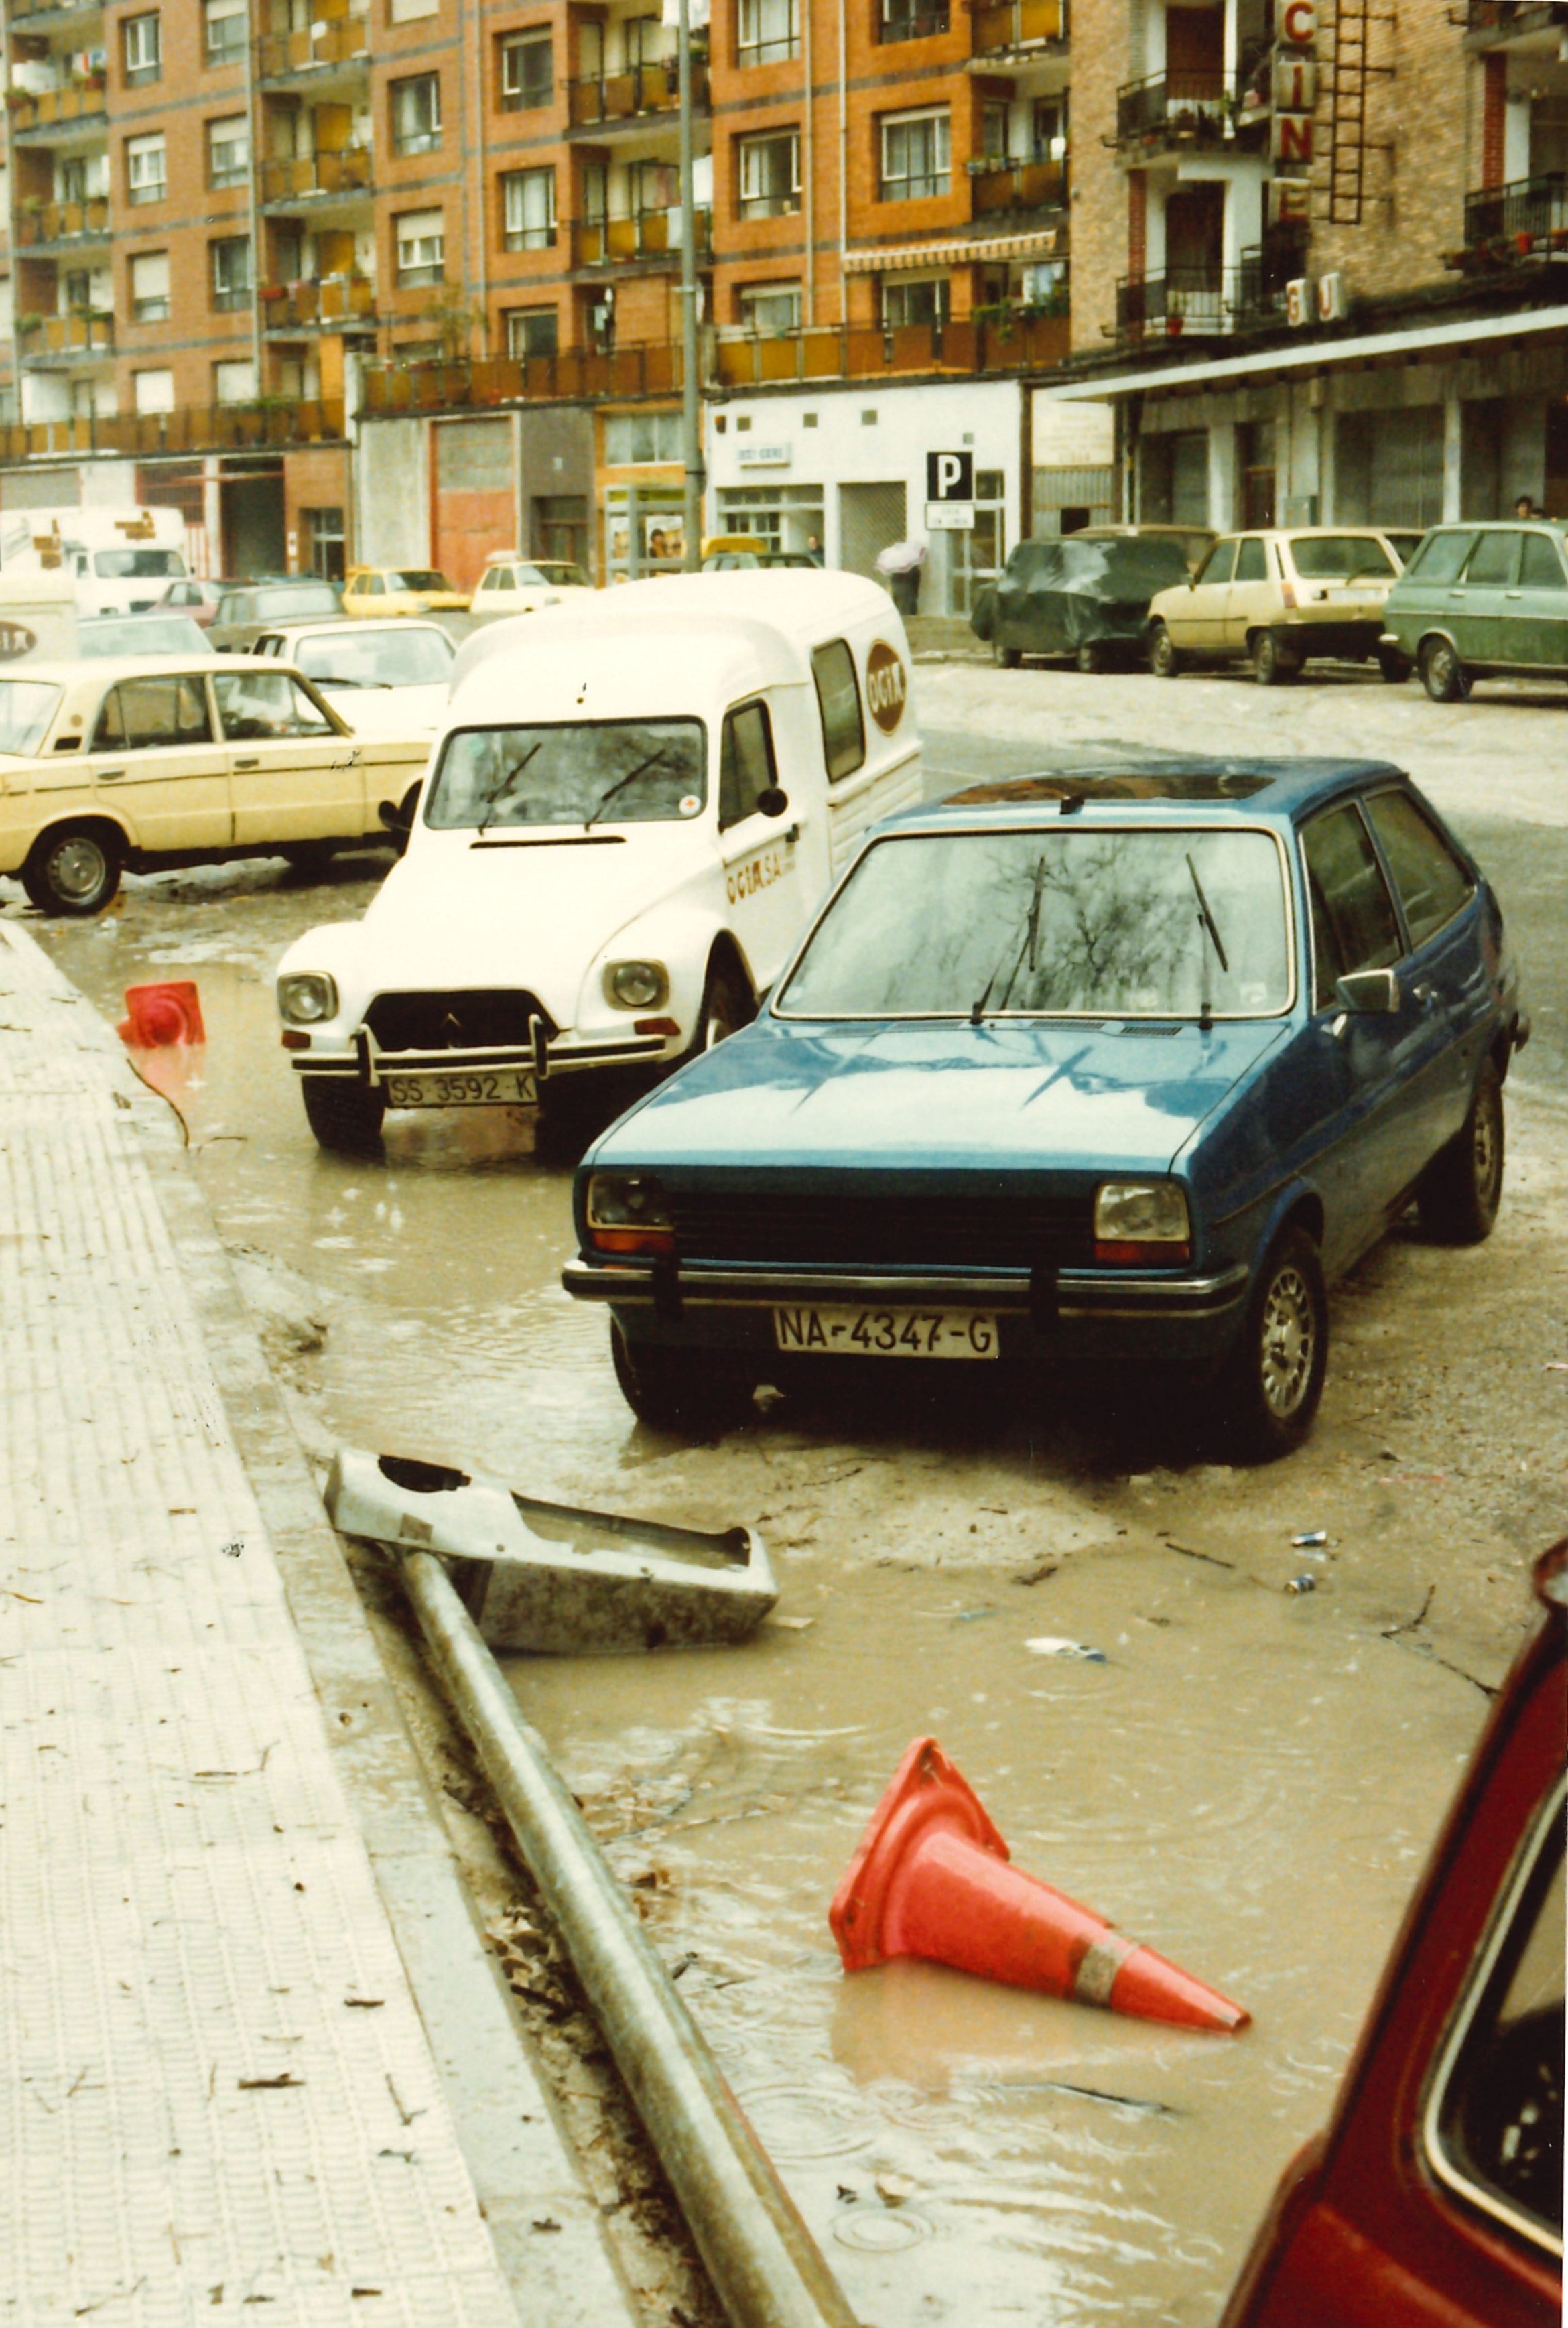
<point x="1368" y="990"/>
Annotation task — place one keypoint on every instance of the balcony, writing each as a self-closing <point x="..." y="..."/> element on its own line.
<point x="56" y="14"/>
<point x="913" y="20"/>
<point x="610" y="101"/>
<point x="310" y="176"/>
<point x="1523" y="224"/>
<point x="333" y="40"/>
<point x="575" y="373"/>
<point x="968" y="349"/>
<point x="1001" y="188"/>
<point x="651" y="237"/>
<point x="1185" y="303"/>
<point x="1261" y="283"/>
<point x="81" y="101"/>
<point x="39" y="224"/>
<point x="1000" y="27"/>
<point x="1497" y="23"/>
<point x="1177" y="108"/>
<point x="64" y="339"/>
<point x="193" y="428"/>
<point x="324" y="304"/>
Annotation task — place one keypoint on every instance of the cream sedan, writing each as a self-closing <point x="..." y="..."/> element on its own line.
<point x="1275" y="599"/>
<point x="141" y="762"/>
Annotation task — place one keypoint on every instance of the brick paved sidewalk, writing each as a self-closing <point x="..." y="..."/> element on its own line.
<point x="221" y="2098"/>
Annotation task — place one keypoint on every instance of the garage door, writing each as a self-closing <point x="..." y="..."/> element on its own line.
<point x="475" y="496"/>
<point x="870" y="518"/>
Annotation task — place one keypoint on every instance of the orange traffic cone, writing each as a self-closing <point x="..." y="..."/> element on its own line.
<point x="158" y="1016"/>
<point x="930" y="1879"/>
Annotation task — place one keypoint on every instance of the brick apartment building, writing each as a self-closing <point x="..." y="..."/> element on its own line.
<point x="399" y="280"/>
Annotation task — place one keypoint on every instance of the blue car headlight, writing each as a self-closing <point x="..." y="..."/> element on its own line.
<point x="1142" y="1221"/>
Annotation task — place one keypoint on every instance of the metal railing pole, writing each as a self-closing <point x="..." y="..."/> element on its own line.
<point x="690" y="405"/>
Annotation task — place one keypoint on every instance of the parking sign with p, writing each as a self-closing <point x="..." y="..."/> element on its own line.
<point x="948" y="493"/>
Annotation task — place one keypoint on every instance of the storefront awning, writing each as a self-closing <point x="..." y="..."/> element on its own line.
<point x="1043" y="244"/>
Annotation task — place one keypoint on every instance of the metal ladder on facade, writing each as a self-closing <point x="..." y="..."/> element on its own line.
<point x="1347" y="114"/>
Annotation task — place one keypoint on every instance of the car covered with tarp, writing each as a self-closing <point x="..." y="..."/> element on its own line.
<point x="1086" y="600"/>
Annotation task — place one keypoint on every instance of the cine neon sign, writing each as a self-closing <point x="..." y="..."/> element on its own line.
<point x="1295" y="84"/>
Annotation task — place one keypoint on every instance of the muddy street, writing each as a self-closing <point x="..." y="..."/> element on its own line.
<point x="1245" y="1775"/>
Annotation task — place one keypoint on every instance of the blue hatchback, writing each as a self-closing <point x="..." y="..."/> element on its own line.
<point x="1114" y="1067"/>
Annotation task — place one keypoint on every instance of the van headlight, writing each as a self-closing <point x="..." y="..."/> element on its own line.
<point x="306" y="997"/>
<point x="636" y="985"/>
<point x="1142" y="1221"/>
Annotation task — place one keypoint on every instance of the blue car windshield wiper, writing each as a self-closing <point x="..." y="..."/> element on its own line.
<point x="1210" y="928"/>
<point x="1028" y="945"/>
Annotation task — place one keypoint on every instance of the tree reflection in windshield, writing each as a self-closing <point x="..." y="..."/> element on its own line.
<point x="1102" y="924"/>
<point x="491" y="778"/>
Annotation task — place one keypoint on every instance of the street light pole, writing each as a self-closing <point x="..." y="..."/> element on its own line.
<point x="690" y="407"/>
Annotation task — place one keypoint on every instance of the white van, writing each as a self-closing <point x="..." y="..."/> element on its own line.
<point x="120" y="561"/>
<point x="630" y="813"/>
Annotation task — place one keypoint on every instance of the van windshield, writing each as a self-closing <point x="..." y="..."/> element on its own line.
<point x="135" y="565"/>
<point x="27" y="708"/>
<point x="609" y="771"/>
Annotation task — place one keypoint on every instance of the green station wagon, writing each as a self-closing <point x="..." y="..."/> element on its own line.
<point x="1480" y="601"/>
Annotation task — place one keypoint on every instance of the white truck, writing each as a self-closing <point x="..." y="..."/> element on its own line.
<point x="630" y="813"/>
<point x="120" y="560"/>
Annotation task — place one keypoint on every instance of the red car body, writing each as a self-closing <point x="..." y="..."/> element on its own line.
<point x="1428" y="2203"/>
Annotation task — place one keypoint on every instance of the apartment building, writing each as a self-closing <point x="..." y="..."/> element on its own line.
<point x="1322" y="256"/>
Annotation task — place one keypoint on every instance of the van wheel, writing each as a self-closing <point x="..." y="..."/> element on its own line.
<point x="74" y="870"/>
<point x="1164" y="661"/>
<point x="1090" y="659"/>
<point x="693" y="1394"/>
<point x="1443" y="676"/>
<point x="1461" y="1190"/>
<point x="345" y="1117"/>
<point x="1395" y="667"/>
<point x="1006" y="658"/>
<point x="727" y="1006"/>
<point x="1273" y="1378"/>
<point x="309" y="856"/>
<point x="1270" y="667"/>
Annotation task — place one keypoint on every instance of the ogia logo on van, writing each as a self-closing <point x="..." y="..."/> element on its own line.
<point x="886" y="686"/>
<point x="15" y="640"/>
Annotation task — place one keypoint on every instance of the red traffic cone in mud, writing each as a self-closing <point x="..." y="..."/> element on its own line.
<point x="159" y="1016"/>
<point x="932" y="1879"/>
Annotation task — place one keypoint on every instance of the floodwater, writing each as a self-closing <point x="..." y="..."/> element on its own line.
<point x="1250" y="1781"/>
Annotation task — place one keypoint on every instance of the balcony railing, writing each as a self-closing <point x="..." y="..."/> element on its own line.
<point x="606" y="98"/>
<point x="337" y="40"/>
<point x="1524" y="221"/>
<point x="343" y="172"/>
<point x="331" y="299"/>
<point x="1261" y="284"/>
<point x="1177" y="108"/>
<point x="575" y="373"/>
<point x="1504" y="20"/>
<point x="970" y="347"/>
<point x="1183" y="303"/>
<point x="913" y="20"/>
<point x="40" y="338"/>
<point x="651" y="235"/>
<point x="64" y="222"/>
<point x="47" y="109"/>
<point x="26" y="8"/>
<point x="1004" y="24"/>
<point x="193" y="428"/>
<point x="999" y="185"/>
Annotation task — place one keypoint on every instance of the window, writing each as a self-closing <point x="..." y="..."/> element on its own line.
<point x="921" y="301"/>
<point x="146" y="168"/>
<point x="1433" y="885"/>
<point x="914" y="155"/>
<point x="416" y="114"/>
<point x="1494" y="561"/>
<point x="746" y="769"/>
<point x="1339" y="558"/>
<point x="77" y="290"/>
<point x="229" y="151"/>
<point x="234" y="383"/>
<point x="911" y="20"/>
<point x="327" y="542"/>
<point x="404" y="12"/>
<point x="257" y="706"/>
<point x="421" y="240"/>
<point x="153" y="392"/>
<point x="223" y="28"/>
<point x="1251" y="563"/>
<point x="1354" y="925"/>
<point x="532" y="331"/>
<point x="769" y="175"/>
<point x="770" y="306"/>
<point x="839" y="706"/>
<point x="1543" y="564"/>
<point x="634" y="438"/>
<point x="150" y="287"/>
<point x="142" y="50"/>
<point x="767" y="32"/>
<point x="1440" y="557"/>
<point x="527" y="70"/>
<point x="1220" y="562"/>
<point x="142" y="715"/>
<point x="230" y="272"/>
<point x="527" y="210"/>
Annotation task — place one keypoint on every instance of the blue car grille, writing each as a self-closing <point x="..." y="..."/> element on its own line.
<point x="946" y="1231"/>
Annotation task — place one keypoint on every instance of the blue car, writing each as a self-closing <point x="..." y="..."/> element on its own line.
<point x="1075" y="1071"/>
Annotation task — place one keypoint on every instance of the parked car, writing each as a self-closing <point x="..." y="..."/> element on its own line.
<point x="510" y="585"/>
<point x="1196" y="540"/>
<point x="197" y="597"/>
<point x="1277" y="599"/>
<point x="130" y="762"/>
<point x="1435" y="2195"/>
<point x="1075" y="1071"/>
<point x="245" y="613"/>
<point x="384" y="678"/>
<point x="153" y="634"/>
<point x="1479" y="602"/>
<point x="624" y="826"/>
<point x="401" y="591"/>
<point x="732" y="553"/>
<point x="1084" y="598"/>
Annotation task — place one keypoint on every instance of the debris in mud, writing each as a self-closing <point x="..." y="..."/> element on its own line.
<point x="1047" y="1645"/>
<point x="894" y="2188"/>
<point x="1303" y="1584"/>
<point x="1040" y="1575"/>
<point x="1309" y="1539"/>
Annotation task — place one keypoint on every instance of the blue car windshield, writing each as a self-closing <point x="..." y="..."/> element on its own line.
<point x="590" y="771"/>
<point x="1068" y="921"/>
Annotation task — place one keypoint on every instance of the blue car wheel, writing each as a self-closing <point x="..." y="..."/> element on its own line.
<point x="1461" y="1188"/>
<point x="1273" y="1378"/>
<point x="691" y="1394"/>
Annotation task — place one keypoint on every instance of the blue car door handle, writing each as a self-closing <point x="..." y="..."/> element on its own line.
<point x="1427" y="996"/>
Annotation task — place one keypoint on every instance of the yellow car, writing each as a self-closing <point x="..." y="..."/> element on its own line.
<point x="383" y="590"/>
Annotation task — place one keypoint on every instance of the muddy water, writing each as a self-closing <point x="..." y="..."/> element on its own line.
<point x="1249" y="1780"/>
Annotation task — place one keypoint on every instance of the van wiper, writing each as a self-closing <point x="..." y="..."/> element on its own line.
<point x="621" y="782"/>
<point x="1210" y="928"/>
<point x="504" y="787"/>
<point x="1030" y="946"/>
